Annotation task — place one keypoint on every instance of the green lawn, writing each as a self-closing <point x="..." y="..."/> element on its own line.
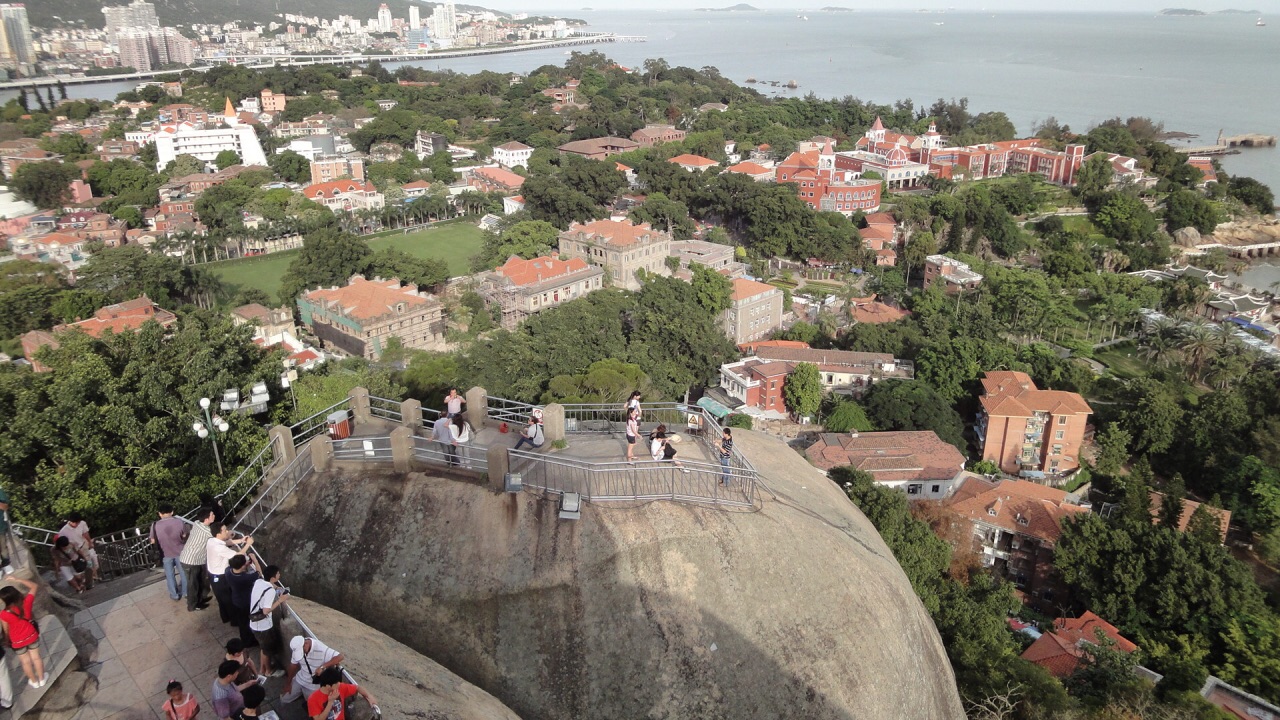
<point x="1123" y="361"/>
<point x="454" y="243"/>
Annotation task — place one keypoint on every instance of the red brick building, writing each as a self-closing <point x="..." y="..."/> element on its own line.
<point x="824" y="187"/>
<point x="1029" y="431"/>
<point x="651" y="135"/>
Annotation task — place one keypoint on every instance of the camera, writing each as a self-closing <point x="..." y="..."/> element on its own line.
<point x="284" y="591"/>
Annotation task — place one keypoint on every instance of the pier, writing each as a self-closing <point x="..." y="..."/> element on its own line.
<point x="257" y="61"/>
<point x="1228" y="145"/>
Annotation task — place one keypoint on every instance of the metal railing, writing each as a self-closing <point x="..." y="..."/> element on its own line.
<point x="465" y="457"/>
<point x="645" y="480"/>
<point x="508" y="411"/>
<point x="363" y="448"/>
<point x="385" y="408"/>
<point x="611" y="418"/>
<point x="275" y="493"/>
<point x="309" y="427"/>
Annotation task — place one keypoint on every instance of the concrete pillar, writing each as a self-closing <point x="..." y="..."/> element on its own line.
<point x="497" y="457"/>
<point x="282" y="444"/>
<point x="553" y="422"/>
<point x="411" y="414"/>
<point x="321" y="448"/>
<point x="477" y="407"/>
<point x="359" y="398"/>
<point x="402" y="448"/>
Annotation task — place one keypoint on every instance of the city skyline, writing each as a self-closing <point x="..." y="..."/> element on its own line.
<point x="568" y="6"/>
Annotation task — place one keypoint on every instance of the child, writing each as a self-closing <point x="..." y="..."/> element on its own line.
<point x="180" y="705"/>
<point x="19" y="625"/>
<point x="68" y="563"/>
<point x="633" y="430"/>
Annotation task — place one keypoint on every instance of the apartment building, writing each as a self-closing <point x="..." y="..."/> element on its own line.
<point x="754" y="312"/>
<point x="1028" y="431"/>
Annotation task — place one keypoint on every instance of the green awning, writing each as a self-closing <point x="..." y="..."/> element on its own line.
<point x="713" y="407"/>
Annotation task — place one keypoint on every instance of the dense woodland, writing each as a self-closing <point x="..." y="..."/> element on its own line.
<point x="1191" y="412"/>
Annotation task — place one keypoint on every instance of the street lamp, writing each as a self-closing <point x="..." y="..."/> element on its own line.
<point x="211" y="422"/>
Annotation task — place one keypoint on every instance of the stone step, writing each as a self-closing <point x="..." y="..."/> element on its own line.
<point x="58" y="653"/>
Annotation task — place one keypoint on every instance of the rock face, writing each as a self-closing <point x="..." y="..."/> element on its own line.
<point x="405" y="684"/>
<point x="1249" y="232"/>
<point x="1187" y="237"/>
<point x="659" y="610"/>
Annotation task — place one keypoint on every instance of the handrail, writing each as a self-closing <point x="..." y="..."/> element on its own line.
<point x="640" y="481"/>
<point x="508" y="411"/>
<point x="309" y="426"/>
<point x="385" y="408"/>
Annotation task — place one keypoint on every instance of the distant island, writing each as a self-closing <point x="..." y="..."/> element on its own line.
<point x="740" y="7"/>
<point x="1188" y="12"/>
<point x="833" y="8"/>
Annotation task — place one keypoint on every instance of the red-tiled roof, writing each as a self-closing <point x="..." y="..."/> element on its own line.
<point x="693" y="160"/>
<point x="513" y="146"/>
<point x="889" y="456"/>
<point x="415" y="185"/>
<point x="500" y="176"/>
<point x="337" y="187"/>
<point x="880" y="218"/>
<point x="1014" y="394"/>
<point x="744" y="288"/>
<point x="531" y="272"/>
<point x="365" y="299"/>
<point x="877" y="312"/>
<point x="128" y="315"/>
<point x="751" y="347"/>
<point x="1188" y="509"/>
<point x="748" y="168"/>
<point x="1018" y="506"/>
<point x="1060" y="651"/>
<point x="617" y="233"/>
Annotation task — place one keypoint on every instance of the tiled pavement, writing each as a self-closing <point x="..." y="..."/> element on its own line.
<point x="144" y="641"/>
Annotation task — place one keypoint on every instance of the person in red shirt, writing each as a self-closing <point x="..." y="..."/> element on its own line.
<point x="19" y="625"/>
<point x="329" y="702"/>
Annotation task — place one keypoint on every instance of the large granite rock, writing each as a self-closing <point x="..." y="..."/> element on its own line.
<point x="659" y="610"/>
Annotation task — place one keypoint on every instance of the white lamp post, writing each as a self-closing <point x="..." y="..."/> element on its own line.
<point x="211" y="422"/>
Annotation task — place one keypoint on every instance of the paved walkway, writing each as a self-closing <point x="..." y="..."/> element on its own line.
<point x="144" y="640"/>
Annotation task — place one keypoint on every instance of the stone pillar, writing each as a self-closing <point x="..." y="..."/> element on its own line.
<point x="497" y="457"/>
<point x="553" y="422"/>
<point x="411" y="414"/>
<point x="402" y="448"/>
<point x="477" y="407"/>
<point x="321" y="448"/>
<point x="359" y="399"/>
<point x="282" y="444"/>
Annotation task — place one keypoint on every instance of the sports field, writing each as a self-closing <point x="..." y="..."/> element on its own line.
<point x="454" y="243"/>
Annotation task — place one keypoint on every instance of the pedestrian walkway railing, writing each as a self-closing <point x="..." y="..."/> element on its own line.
<point x="309" y="427"/>
<point x="274" y="493"/>
<point x="609" y="418"/>
<point x="467" y="456"/>
<point x="385" y="408"/>
<point x="639" y="481"/>
<point x="363" y="448"/>
<point x="511" y="412"/>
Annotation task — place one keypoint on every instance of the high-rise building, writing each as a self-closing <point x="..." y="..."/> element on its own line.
<point x="135" y="48"/>
<point x="444" y="20"/>
<point x="384" y="18"/>
<point x="415" y="18"/>
<point x="136" y="14"/>
<point x="144" y="49"/>
<point x="17" y="45"/>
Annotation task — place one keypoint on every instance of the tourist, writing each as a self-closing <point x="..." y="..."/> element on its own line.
<point x="169" y="533"/>
<point x="78" y="530"/>
<point x="633" y="432"/>
<point x="248" y="671"/>
<point x="226" y="698"/>
<point x="441" y="433"/>
<point x="453" y="403"/>
<point x="6" y="567"/>
<point x="329" y="700"/>
<point x="532" y="433"/>
<point x="19" y="623"/>
<point x="193" y="558"/>
<point x="241" y="576"/>
<point x="214" y="503"/>
<point x="725" y="446"/>
<point x="308" y="657"/>
<point x="253" y="699"/>
<point x="181" y="704"/>
<point x="461" y="430"/>
<point x="68" y="564"/>
<point x="633" y="404"/>
<point x="218" y="553"/>
<point x="662" y="448"/>
<point x="267" y="596"/>
<point x="6" y="684"/>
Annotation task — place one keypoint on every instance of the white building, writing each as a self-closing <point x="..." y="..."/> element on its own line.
<point x="415" y="17"/>
<point x="206" y="144"/>
<point x="444" y="21"/>
<point x="137" y="14"/>
<point x="384" y="18"/>
<point x="511" y="154"/>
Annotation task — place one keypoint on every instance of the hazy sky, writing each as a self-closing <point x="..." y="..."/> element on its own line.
<point x="908" y="5"/>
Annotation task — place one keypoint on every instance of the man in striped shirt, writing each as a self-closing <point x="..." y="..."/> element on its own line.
<point x="193" y="558"/>
<point x="726" y="455"/>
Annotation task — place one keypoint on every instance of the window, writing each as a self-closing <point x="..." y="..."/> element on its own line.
<point x="1062" y="419"/>
<point x="1058" y="435"/>
<point x="913" y="489"/>
<point x="935" y="489"/>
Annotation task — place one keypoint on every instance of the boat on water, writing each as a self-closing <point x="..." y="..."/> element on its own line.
<point x="938" y="23"/>
<point x="803" y="17"/>
<point x="1260" y="23"/>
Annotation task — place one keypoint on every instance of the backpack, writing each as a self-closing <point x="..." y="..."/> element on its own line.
<point x="537" y="436"/>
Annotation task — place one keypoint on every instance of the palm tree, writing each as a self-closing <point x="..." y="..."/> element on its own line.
<point x="1197" y="345"/>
